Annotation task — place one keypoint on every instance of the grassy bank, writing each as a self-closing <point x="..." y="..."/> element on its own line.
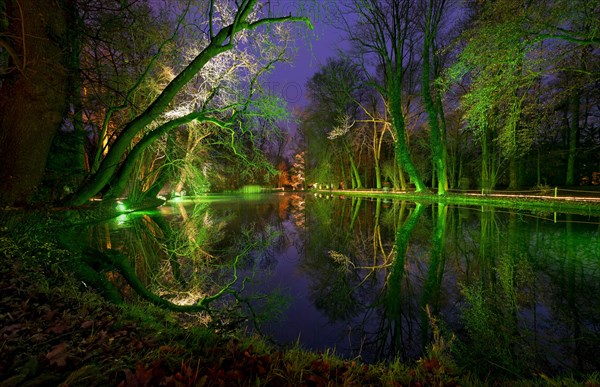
<point x="581" y="205"/>
<point x="57" y="330"/>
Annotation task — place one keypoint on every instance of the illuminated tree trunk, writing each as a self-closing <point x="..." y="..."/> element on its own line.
<point x="220" y="42"/>
<point x="401" y="148"/>
<point x="401" y="176"/>
<point x="443" y="139"/>
<point x="353" y="168"/>
<point x="574" y="105"/>
<point x="33" y="95"/>
<point x="377" y="139"/>
<point x="377" y="144"/>
<point x="437" y="143"/>
<point x="376" y="156"/>
<point x="387" y="25"/>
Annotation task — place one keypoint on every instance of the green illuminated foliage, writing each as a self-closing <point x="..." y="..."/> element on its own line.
<point x="207" y="68"/>
<point x="502" y="69"/>
<point x="514" y="52"/>
<point x="251" y="189"/>
<point x="500" y="74"/>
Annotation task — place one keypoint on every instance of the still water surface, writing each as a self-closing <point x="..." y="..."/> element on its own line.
<point x="513" y="291"/>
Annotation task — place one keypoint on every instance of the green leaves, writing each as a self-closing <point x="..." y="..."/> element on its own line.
<point x="502" y="69"/>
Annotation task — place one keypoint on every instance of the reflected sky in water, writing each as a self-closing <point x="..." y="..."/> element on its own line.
<point x="519" y="291"/>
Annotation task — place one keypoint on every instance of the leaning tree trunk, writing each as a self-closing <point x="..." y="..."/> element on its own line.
<point x="353" y="168"/>
<point x="33" y="95"/>
<point x="112" y="168"/>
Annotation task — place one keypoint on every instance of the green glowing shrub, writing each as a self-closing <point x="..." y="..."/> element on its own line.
<point x="251" y="189"/>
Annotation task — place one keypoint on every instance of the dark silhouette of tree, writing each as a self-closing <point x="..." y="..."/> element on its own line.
<point x="33" y="92"/>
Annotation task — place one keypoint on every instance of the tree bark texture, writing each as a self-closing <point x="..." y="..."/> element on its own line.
<point x="401" y="148"/>
<point x="33" y="94"/>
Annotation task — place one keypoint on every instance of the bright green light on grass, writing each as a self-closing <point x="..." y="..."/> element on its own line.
<point x="251" y="189"/>
<point x="121" y="207"/>
<point x="121" y="219"/>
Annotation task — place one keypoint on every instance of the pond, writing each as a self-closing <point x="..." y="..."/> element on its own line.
<point x="504" y="291"/>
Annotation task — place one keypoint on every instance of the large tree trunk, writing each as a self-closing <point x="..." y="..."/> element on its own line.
<point x="109" y="166"/>
<point x="435" y="133"/>
<point x="33" y="95"/>
<point x="401" y="148"/>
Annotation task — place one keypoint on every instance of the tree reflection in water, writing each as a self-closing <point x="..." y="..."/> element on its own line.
<point x="519" y="291"/>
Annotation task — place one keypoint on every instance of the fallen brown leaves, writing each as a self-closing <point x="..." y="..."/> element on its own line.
<point x="46" y="333"/>
<point x="58" y="355"/>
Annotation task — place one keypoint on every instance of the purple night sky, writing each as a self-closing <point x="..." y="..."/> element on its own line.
<point x="288" y="80"/>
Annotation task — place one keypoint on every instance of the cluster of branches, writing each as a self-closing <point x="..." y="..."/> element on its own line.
<point x="141" y="89"/>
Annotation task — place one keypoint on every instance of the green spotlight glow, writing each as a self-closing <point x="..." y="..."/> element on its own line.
<point x="121" y="207"/>
<point x="122" y="218"/>
<point x="251" y="189"/>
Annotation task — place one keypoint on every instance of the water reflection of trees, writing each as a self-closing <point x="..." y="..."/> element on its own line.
<point x="527" y="310"/>
<point x="348" y="268"/>
<point x="186" y="253"/>
<point x="173" y="256"/>
<point x="520" y="293"/>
